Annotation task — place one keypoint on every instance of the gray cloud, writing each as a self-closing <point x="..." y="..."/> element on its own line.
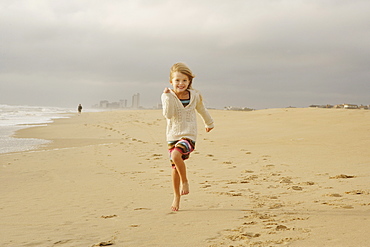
<point x="245" y="53"/>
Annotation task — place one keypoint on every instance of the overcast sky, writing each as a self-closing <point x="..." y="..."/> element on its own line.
<point x="258" y="54"/>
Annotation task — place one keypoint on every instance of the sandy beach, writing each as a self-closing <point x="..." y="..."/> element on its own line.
<point x="275" y="177"/>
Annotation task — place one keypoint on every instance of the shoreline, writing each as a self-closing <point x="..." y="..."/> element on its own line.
<point x="59" y="137"/>
<point x="15" y="118"/>
<point x="260" y="178"/>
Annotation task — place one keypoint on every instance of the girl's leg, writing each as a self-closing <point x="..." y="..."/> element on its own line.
<point x="176" y="157"/>
<point x="176" y="190"/>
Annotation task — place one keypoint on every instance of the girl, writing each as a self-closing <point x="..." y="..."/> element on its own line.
<point x="179" y="106"/>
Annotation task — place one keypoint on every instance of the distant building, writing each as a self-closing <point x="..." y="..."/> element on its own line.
<point x="346" y="106"/>
<point x="350" y="106"/>
<point x="322" y="106"/>
<point x="233" y="108"/>
<point x="113" y="105"/>
<point x="123" y="103"/>
<point x="136" y="101"/>
<point x="104" y="104"/>
<point x="343" y="106"/>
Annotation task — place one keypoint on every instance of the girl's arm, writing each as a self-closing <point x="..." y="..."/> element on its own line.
<point x="202" y="110"/>
<point x="168" y="106"/>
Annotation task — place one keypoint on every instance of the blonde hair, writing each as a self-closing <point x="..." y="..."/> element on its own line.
<point x="183" y="69"/>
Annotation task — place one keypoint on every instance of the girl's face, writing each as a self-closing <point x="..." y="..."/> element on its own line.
<point x="180" y="82"/>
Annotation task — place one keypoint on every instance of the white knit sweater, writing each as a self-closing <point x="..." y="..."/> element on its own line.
<point x="182" y="121"/>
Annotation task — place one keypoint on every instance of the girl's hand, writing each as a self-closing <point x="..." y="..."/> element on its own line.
<point x="166" y="90"/>
<point x="209" y="129"/>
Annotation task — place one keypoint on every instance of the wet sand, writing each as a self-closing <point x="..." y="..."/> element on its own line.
<point x="275" y="177"/>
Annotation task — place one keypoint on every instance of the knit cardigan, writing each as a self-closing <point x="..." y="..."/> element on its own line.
<point x="182" y="121"/>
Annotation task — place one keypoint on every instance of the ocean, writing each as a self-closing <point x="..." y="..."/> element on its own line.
<point x="13" y="118"/>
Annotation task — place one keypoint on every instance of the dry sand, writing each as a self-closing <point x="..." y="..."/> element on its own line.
<point x="277" y="177"/>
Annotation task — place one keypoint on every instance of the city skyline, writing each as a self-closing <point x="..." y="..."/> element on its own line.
<point x="122" y="103"/>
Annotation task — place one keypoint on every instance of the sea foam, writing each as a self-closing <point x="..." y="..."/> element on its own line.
<point x="13" y="118"/>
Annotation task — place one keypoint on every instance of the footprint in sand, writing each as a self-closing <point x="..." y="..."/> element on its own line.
<point x="63" y="241"/>
<point x="342" y="176"/>
<point x="276" y="205"/>
<point x="142" y="209"/>
<point x="271" y="226"/>
<point x="243" y="236"/>
<point x="297" y="188"/>
<point x="286" y="181"/>
<point x="334" y="195"/>
<point x="308" y="183"/>
<point x="157" y="156"/>
<point x="206" y="186"/>
<point x="246" y="151"/>
<point x="357" y="192"/>
<point x="281" y="228"/>
<point x="108" y="216"/>
<point x="250" y="223"/>
<point x="105" y="243"/>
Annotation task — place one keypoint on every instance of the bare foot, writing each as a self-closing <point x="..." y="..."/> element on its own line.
<point x="176" y="203"/>
<point x="185" y="188"/>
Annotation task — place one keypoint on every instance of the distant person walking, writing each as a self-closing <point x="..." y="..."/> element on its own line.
<point x="179" y="107"/>
<point x="79" y="108"/>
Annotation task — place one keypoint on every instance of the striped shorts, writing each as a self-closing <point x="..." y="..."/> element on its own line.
<point x="185" y="146"/>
